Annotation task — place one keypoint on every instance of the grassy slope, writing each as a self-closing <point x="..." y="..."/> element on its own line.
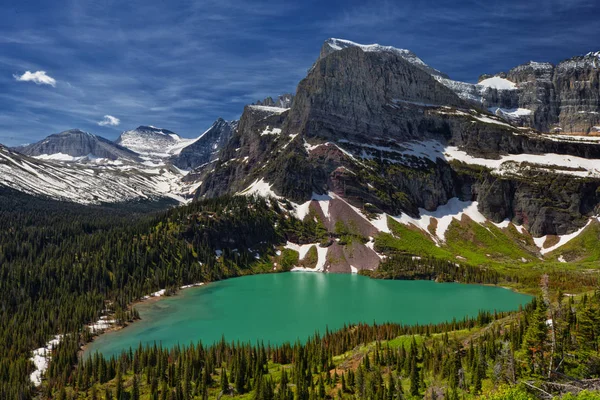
<point x="583" y="249"/>
<point x="505" y="250"/>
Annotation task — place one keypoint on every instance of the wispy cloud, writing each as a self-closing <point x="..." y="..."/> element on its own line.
<point x="38" y="77"/>
<point x="109" y="120"/>
<point x="181" y="65"/>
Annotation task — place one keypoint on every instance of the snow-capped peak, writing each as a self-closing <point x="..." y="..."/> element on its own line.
<point x="335" y="44"/>
<point x="339" y="44"/>
<point x="74" y="132"/>
<point x="593" y="54"/>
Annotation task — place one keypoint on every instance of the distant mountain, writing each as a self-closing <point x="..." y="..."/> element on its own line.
<point x="76" y="144"/>
<point x="90" y="183"/>
<point x="206" y="148"/>
<point x="152" y="142"/>
<point x="282" y="101"/>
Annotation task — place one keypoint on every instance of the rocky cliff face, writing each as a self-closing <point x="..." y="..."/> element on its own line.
<point x="357" y="95"/>
<point x="77" y="143"/>
<point x="385" y="135"/>
<point x="577" y="85"/>
<point x="206" y="148"/>
<point x="564" y="98"/>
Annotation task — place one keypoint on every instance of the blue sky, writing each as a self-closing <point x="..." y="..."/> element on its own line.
<point x="181" y="64"/>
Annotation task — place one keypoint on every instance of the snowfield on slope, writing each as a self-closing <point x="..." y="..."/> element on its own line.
<point x="495" y="82"/>
<point x="91" y="183"/>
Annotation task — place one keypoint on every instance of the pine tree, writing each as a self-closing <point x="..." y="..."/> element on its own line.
<point x="414" y="377"/>
<point x="119" y="384"/>
<point x="535" y="338"/>
<point x="391" y="387"/>
<point x="224" y="381"/>
<point x="135" y="390"/>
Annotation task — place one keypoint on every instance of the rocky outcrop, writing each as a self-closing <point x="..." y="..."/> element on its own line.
<point x="577" y="85"/>
<point x="206" y="148"/>
<point x="546" y="203"/>
<point x="282" y="101"/>
<point x="249" y="150"/>
<point x="77" y="143"/>
<point x="564" y="98"/>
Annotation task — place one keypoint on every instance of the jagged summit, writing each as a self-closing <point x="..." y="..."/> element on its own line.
<point x="334" y="44"/>
<point x="282" y="101"/>
<point x="206" y="148"/>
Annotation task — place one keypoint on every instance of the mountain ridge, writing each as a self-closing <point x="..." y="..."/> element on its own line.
<point x="76" y="143"/>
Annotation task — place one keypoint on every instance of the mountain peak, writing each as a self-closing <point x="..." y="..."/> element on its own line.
<point x="333" y="44"/>
<point x="75" y="131"/>
<point x="206" y="148"/>
<point x="152" y="130"/>
<point x="73" y="144"/>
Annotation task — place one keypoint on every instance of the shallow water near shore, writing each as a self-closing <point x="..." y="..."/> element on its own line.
<point x="276" y="308"/>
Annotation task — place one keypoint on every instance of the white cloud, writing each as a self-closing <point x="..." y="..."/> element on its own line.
<point x="38" y="77"/>
<point x="109" y="120"/>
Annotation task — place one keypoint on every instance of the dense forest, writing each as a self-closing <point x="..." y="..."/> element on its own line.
<point x="62" y="266"/>
<point x="497" y="356"/>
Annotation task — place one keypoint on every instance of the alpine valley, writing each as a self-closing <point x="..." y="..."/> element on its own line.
<point x="379" y="164"/>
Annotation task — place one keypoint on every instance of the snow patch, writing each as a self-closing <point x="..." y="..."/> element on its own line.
<point x="261" y="188"/>
<point x="273" y="110"/>
<point x="302" y="249"/>
<point x="192" y="285"/>
<point x="41" y="358"/>
<point x="506" y="164"/>
<point x="510" y="113"/>
<point x="101" y="325"/>
<point x="444" y="215"/>
<point x="562" y="239"/>
<point x="496" y="82"/>
<point x="270" y="131"/>
<point x="503" y="224"/>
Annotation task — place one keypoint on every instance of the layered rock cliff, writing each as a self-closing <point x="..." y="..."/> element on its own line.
<point x="386" y="135"/>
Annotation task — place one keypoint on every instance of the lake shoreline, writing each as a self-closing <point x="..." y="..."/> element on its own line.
<point x="149" y="299"/>
<point x="86" y="347"/>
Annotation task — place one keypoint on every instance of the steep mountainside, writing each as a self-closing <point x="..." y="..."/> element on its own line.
<point x="563" y="98"/>
<point x="75" y="143"/>
<point x="206" y="148"/>
<point x="89" y="183"/>
<point x="371" y="134"/>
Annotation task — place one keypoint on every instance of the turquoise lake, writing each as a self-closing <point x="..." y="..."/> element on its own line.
<point x="284" y="307"/>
